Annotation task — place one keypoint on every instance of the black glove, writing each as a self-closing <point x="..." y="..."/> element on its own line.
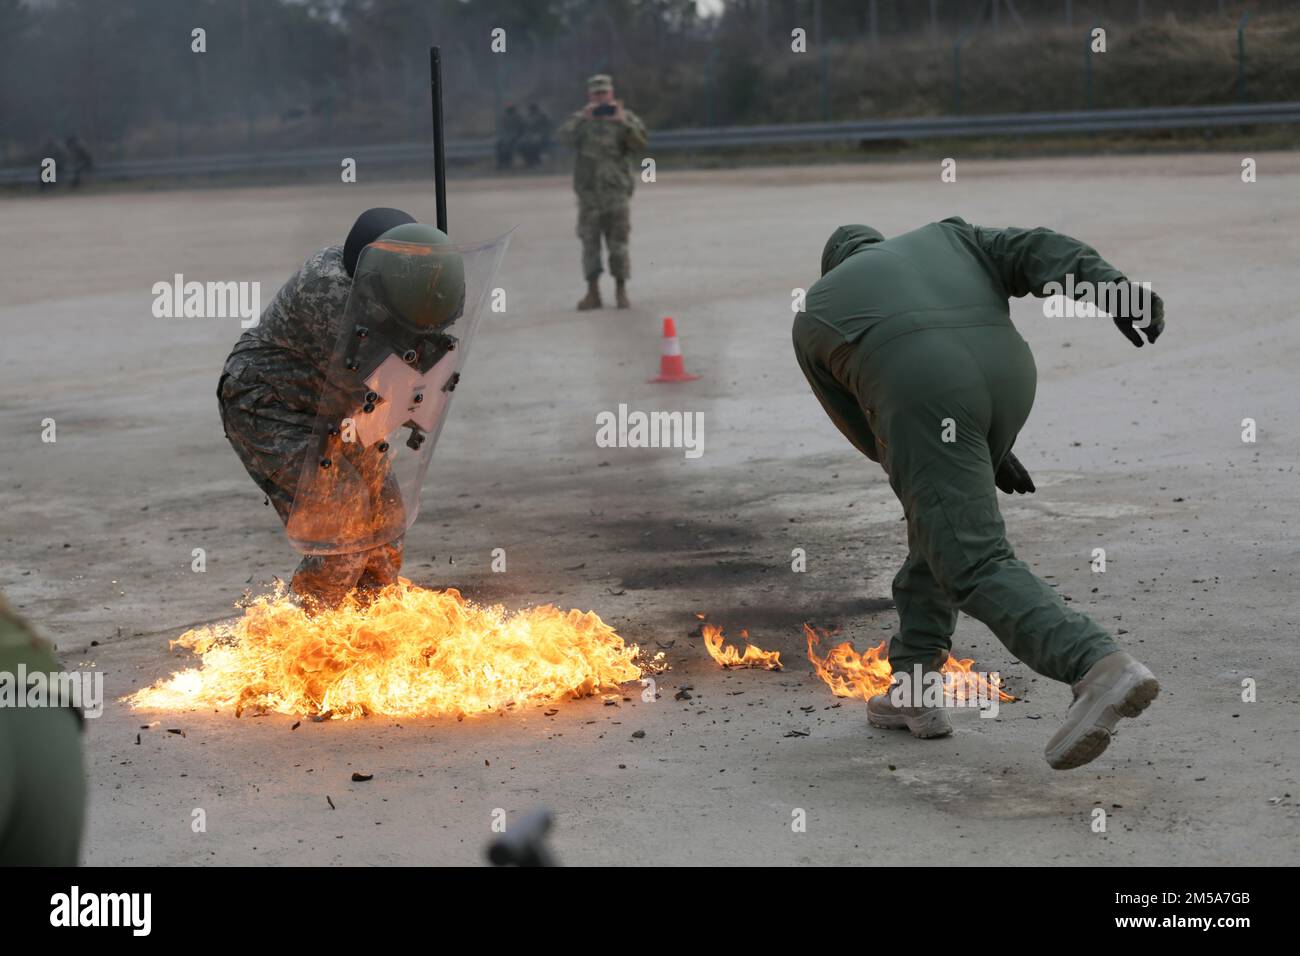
<point x="1012" y="478"/>
<point x="1152" y="317"/>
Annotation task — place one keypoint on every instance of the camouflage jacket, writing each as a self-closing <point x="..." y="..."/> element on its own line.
<point x="293" y="343"/>
<point x="601" y="151"/>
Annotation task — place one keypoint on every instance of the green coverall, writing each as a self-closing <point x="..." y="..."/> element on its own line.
<point x="908" y="344"/>
<point x="42" y="785"/>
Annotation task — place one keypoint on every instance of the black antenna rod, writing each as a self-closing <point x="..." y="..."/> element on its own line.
<point x="439" y="144"/>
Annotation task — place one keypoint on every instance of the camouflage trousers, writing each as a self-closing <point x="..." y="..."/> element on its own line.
<point x="614" y="222"/>
<point x="273" y="440"/>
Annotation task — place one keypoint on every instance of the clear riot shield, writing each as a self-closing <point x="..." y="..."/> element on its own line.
<point x="387" y="391"/>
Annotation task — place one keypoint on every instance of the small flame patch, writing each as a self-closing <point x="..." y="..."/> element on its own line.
<point x="728" y="656"/>
<point x="850" y="674"/>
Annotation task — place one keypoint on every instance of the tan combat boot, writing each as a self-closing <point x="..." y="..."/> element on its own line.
<point x="620" y="295"/>
<point x="1116" y="686"/>
<point x="592" y="299"/>
<point x="884" y="712"/>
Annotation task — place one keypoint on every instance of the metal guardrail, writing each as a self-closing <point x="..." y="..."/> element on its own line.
<point x="264" y="160"/>
<point x="994" y="124"/>
<point x="705" y="138"/>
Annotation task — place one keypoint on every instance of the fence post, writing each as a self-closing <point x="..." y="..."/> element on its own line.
<point x="956" y="78"/>
<point x="956" y="69"/>
<point x="826" y="85"/>
<point x="709" y="85"/>
<point x="497" y="106"/>
<point x="823" y="58"/>
<point x="1087" y="67"/>
<point x="1241" y="56"/>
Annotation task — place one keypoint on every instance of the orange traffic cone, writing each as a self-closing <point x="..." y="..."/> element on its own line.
<point x="671" y="366"/>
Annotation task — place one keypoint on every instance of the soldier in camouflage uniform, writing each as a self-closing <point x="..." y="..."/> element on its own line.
<point x="270" y="388"/>
<point x="603" y="136"/>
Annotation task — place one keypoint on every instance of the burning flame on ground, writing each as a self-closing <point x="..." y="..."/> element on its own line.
<point x="409" y="652"/>
<point x="728" y="656"/>
<point x="850" y="674"/>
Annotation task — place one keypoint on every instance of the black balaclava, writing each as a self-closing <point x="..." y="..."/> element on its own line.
<point x="370" y="225"/>
<point x="845" y="241"/>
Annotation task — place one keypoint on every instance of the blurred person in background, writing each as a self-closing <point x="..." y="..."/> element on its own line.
<point x="512" y="130"/>
<point x="537" y="136"/>
<point x="42" y="781"/>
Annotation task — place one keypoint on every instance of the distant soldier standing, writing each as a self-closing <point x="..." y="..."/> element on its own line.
<point x="603" y="136"/>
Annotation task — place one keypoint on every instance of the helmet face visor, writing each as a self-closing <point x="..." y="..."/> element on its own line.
<point x="422" y="285"/>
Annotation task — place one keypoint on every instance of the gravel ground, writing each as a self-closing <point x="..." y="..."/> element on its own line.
<point x="1139" y="452"/>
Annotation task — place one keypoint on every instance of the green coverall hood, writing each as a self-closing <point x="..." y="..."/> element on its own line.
<point x="845" y="241"/>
